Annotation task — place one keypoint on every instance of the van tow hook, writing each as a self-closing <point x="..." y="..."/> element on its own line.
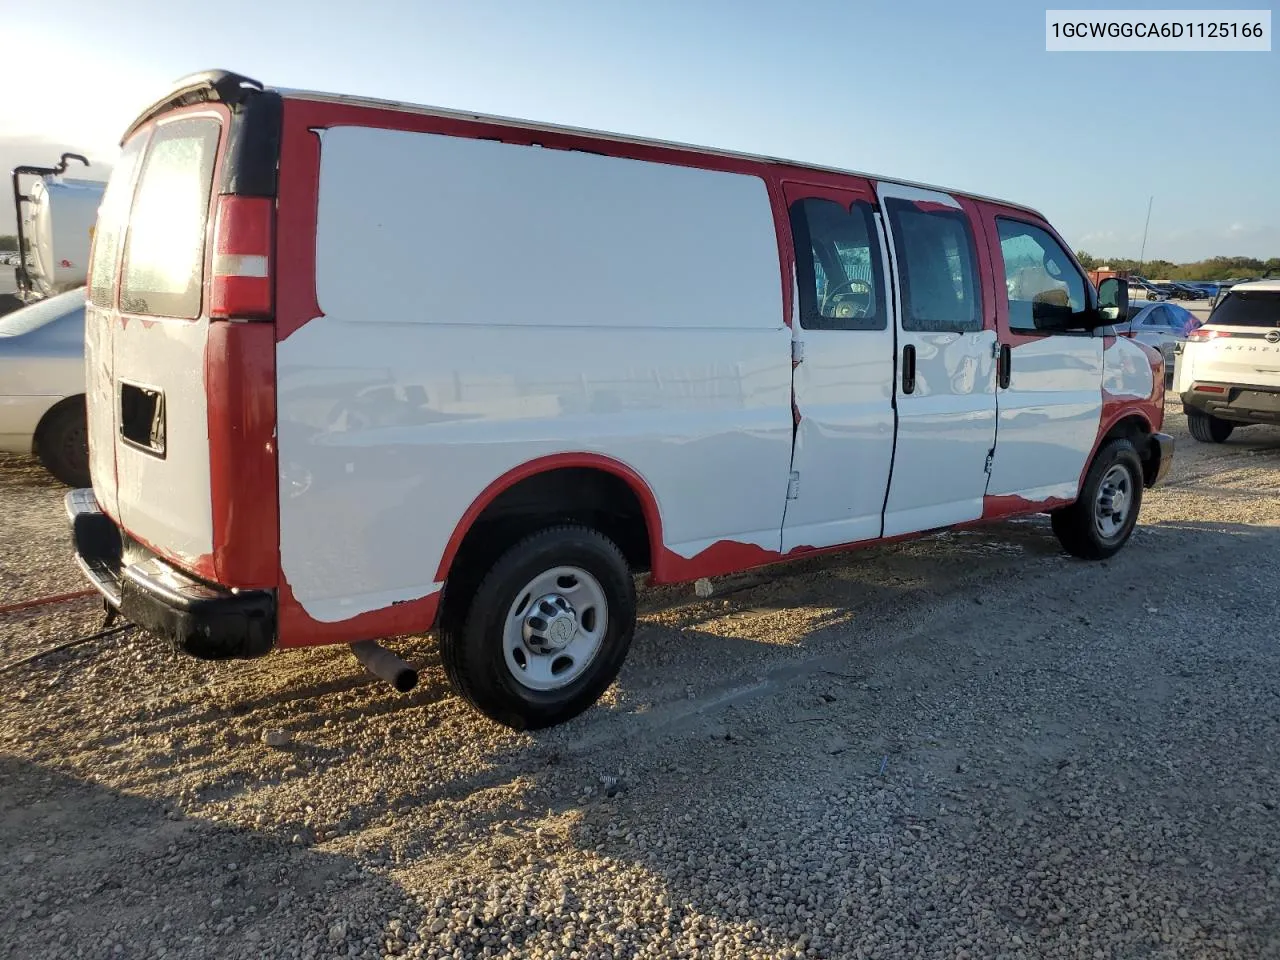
<point x="385" y="665"/>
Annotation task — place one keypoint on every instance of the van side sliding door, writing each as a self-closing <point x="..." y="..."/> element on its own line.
<point x="843" y="352"/>
<point x="945" y="364"/>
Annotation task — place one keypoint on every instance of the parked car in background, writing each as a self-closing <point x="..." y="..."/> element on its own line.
<point x="1188" y="291"/>
<point x="1230" y="370"/>
<point x="42" y="410"/>
<point x="1209" y="288"/>
<point x="1153" y="291"/>
<point x="1160" y="325"/>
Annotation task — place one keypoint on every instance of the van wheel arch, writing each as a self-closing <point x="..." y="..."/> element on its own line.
<point x="580" y="493"/>
<point x="1137" y="430"/>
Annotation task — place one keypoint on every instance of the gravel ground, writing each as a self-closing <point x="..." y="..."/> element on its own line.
<point x="968" y="746"/>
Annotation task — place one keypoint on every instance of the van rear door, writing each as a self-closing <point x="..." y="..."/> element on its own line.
<point x="180" y="348"/>
<point x="159" y="330"/>
<point x="109" y="231"/>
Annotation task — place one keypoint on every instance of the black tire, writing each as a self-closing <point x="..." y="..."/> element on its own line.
<point x="62" y="443"/>
<point x="472" y="629"/>
<point x="1208" y="429"/>
<point x="1077" y="526"/>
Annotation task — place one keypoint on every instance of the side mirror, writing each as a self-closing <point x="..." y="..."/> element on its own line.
<point x="1113" y="300"/>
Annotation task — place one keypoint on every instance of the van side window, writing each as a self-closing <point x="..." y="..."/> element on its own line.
<point x="1043" y="285"/>
<point x="937" y="265"/>
<point x="113" y="214"/>
<point x="838" y="266"/>
<point x="164" y="253"/>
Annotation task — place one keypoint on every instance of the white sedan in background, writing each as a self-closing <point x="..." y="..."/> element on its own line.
<point x="42" y="385"/>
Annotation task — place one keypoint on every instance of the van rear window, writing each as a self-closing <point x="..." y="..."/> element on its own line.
<point x="164" y="253"/>
<point x="1248" y="309"/>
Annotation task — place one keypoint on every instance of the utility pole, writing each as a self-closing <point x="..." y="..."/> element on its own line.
<point x="1142" y="256"/>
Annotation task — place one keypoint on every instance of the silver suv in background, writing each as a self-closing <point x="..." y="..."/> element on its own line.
<point x="1229" y="375"/>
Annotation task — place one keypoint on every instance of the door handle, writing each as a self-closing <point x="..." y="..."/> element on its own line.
<point x="1003" y="371"/>
<point x="909" y="368"/>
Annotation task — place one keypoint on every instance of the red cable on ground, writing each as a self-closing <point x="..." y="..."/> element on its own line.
<point x="44" y="601"/>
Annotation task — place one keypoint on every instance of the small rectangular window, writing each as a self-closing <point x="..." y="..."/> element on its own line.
<point x="164" y="255"/>
<point x="113" y="214"/>
<point x="937" y="266"/>
<point x="838" y="266"/>
<point x="1046" y="292"/>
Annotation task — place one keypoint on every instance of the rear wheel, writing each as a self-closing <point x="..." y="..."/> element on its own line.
<point x="546" y="631"/>
<point x="62" y="443"/>
<point x="1208" y="429"/>
<point x="1100" y="522"/>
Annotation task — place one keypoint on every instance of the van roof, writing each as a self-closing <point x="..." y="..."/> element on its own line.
<point x="225" y="86"/>
<point x="621" y="138"/>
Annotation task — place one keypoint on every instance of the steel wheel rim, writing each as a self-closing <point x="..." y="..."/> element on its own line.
<point x="1113" y="503"/>
<point x="554" y="628"/>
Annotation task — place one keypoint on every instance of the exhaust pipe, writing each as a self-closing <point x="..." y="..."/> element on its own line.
<point x="385" y="665"/>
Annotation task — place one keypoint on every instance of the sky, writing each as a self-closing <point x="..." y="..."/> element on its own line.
<point x="958" y="94"/>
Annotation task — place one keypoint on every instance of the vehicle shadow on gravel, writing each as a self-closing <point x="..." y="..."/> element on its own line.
<point x="85" y="868"/>
<point x="969" y="769"/>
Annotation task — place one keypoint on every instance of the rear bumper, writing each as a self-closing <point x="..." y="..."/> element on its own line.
<point x="1239" y="403"/>
<point x="205" y="621"/>
<point x="1162" y="454"/>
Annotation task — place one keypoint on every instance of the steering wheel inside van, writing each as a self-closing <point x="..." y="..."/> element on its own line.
<point x="849" y="299"/>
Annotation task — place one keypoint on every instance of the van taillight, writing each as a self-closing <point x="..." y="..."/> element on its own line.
<point x="241" y="287"/>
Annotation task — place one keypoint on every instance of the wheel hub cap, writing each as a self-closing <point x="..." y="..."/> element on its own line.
<point x="555" y="627"/>
<point x="1115" y="496"/>
<point x="550" y="624"/>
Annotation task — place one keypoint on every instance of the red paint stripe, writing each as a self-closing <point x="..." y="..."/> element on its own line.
<point x="297" y="628"/>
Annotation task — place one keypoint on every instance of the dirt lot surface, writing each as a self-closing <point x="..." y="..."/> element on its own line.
<point x="968" y="746"/>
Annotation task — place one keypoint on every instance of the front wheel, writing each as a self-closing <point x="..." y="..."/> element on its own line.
<point x="546" y="631"/>
<point x="1208" y="429"/>
<point x="1101" y="520"/>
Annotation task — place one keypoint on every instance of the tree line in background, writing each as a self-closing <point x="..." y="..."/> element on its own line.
<point x="1215" y="268"/>
<point x="8" y="243"/>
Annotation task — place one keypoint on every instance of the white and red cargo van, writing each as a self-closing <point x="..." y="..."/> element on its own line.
<point x="359" y="369"/>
